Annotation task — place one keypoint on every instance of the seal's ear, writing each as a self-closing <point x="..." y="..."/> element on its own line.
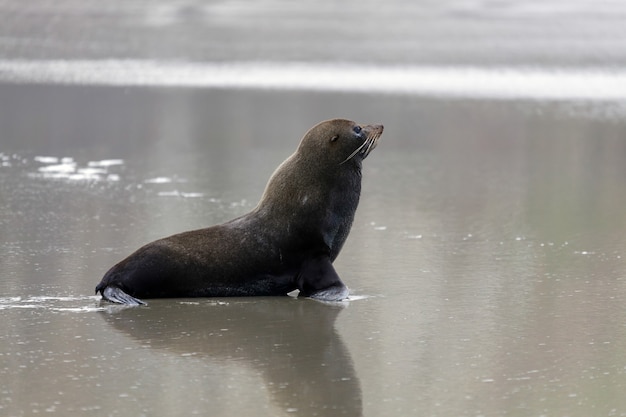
<point x="334" y="138"/>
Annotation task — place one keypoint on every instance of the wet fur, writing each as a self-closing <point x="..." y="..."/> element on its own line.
<point x="287" y="242"/>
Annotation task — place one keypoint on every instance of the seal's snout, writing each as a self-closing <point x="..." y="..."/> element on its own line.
<point x="374" y="131"/>
<point x="373" y="134"/>
<point x="369" y="134"/>
<point x="377" y="129"/>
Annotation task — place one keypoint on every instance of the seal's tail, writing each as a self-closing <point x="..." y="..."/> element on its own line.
<point x="116" y="295"/>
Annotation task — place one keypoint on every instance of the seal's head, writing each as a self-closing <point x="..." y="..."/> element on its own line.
<point x="324" y="174"/>
<point x="343" y="142"/>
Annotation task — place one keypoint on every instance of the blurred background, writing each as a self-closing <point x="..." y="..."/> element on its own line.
<point x="454" y="32"/>
<point x="486" y="261"/>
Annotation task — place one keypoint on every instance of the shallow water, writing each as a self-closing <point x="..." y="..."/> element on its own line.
<point x="487" y="257"/>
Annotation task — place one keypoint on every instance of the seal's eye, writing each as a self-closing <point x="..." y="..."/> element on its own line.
<point x="357" y="129"/>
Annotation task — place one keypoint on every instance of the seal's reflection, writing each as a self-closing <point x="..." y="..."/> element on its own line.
<point x="291" y="342"/>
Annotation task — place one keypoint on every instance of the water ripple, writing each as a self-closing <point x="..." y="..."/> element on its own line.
<point x="76" y="304"/>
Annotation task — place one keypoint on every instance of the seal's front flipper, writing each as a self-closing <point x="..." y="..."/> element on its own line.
<point x="116" y="295"/>
<point x="318" y="279"/>
<point x="337" y="293"/>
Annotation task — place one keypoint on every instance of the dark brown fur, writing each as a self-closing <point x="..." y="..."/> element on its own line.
<point x="287" y="242"/>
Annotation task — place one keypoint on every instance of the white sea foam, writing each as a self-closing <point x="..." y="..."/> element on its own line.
<point x="176" y="193"/>
<point x="159" y="180"/>
<point x="59" y="168"/>
<point x="47" y="159"/>
<point x="67" y="169"/>
<point x="92" y="171"/>
<point x="594" y="84"/>
<point x="105" y="163"/>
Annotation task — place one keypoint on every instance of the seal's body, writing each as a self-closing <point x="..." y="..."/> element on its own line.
<point x="287" y="242"/>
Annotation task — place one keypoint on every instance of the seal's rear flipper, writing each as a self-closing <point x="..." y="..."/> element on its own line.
<point x="319" y="280"/>
<point x="116" y="295"/>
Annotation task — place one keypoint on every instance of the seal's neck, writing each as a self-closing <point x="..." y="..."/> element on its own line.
<point x="301" y="186"/>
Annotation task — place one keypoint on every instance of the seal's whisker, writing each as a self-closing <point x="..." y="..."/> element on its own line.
<point x="366" y="146"/>
<point x="354" y="153"/>
<point x="371" y="143"/>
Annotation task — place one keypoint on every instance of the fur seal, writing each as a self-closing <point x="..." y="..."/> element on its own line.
<point x="287" y="242"/>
